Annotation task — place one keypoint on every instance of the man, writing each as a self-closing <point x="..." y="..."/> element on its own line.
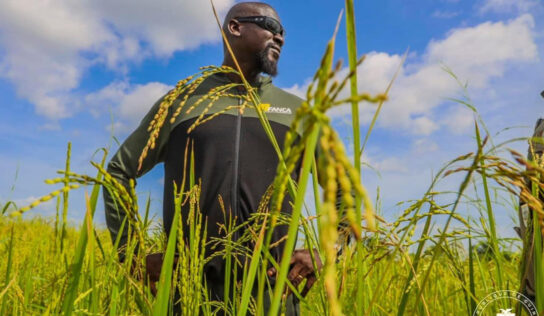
<point x="234" y="158"/>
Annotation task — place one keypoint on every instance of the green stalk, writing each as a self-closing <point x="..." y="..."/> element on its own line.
<point x="8" y="270"/>
<point x="86" y="230"/>
<point x="161" y="305"/>
<point x="228" y="263"/>
<point x="57" y="234"/>
<point x="147" y="208"/>
<point x="77" y="264"/>
<point x="472" y="284"/>
<point x="92" y="268"/>
<point x="295" y="216"/>
<point x="28" y="290"/>
<point x="538" y="263"/>
<point x="483" y="276"/>
<point x="417" y="258"/>
<point x="95" y="294"/>
<point x="491" y="218"/>
<point x="248" y="284"/>
<point x="537" y="253"/>
<point x="352" y="57"/>
<point x="65" y="198"/>
<point x="114" y="299"/>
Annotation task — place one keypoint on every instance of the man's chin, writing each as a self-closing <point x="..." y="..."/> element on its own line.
<point x="271" y="67"/>
<point x="271" y="72"/>
<point x="268" y="64"/>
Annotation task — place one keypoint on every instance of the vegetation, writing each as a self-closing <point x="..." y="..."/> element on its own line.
<point x="429" y="261"/>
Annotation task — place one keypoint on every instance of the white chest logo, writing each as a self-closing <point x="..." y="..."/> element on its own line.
<point x="278" y="110"/>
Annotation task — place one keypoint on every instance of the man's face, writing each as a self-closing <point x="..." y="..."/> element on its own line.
<point x="262" y="44"/>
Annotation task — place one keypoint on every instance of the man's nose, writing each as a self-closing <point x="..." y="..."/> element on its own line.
<point x="278" y="38"/>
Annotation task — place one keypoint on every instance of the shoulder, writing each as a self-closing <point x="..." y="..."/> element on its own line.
<point x="280" y="99"/>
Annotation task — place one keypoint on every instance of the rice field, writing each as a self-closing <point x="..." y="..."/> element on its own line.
<point x="430" y="260"/>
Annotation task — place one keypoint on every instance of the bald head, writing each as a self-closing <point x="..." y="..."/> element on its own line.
<point x="245" y="9"/>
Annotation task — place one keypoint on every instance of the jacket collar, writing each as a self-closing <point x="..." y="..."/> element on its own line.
<point x="262" y="81"/>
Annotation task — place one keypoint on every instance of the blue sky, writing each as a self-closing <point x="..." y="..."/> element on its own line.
<point x="69" y="71"/>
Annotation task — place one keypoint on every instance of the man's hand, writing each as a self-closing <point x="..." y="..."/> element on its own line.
<point x="153" y="265"/>
<point x="302" y="268"/>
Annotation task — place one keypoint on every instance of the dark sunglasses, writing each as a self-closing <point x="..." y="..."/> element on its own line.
<point x="265" y="22"/>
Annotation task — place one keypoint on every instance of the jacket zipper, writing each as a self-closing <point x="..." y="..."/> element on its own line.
<point x="236" y="164"/>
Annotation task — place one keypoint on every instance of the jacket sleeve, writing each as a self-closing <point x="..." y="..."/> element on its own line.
<point x="123" y="167"/>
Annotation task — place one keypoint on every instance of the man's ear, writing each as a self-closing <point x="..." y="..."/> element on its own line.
<point x="234" y="27"/>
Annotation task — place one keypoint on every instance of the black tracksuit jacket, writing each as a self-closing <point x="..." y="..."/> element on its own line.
<point x="233" y="158"/>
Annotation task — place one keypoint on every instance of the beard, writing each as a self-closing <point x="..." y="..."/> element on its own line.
<point x="265" y="64"/>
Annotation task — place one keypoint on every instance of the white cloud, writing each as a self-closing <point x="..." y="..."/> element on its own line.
<point x="475" y="54"/>
<point x="424" y="146"/>
<point x="373" y="76"/>
<point x="128" y="103"/>
<point x="107" y="98"/>
<point x="423" y="126"/>
<point x="391" y="164"/>
<point x="48" y="45"/>
<point x="298" y="90"/>
<point x="385" y="164"/>
<point x="445" y="14"/>
<point x="50" y="126"/>
<point x="41" y="42"/>
<point x="137" y="102"/>
<point x="508" y="6"/>
<point x="168" y="25"/>
<point x="459" y="119"/>
<point x="117" y="127"/>
<point x="480" y="53"/>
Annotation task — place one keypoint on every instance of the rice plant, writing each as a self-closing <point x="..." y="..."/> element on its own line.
<point x="425" y="262"/>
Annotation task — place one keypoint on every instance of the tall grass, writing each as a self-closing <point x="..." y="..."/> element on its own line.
<point x="423" y="263"/>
